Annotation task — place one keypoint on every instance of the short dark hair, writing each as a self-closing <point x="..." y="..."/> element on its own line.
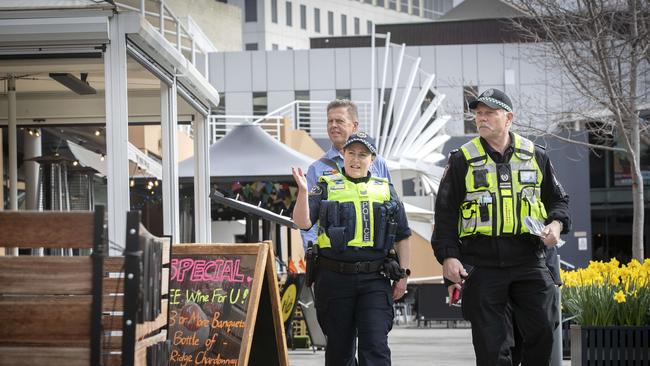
<point x="345" y="103"/>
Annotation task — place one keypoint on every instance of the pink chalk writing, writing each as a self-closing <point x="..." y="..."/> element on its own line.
<point x="206" y="270"/>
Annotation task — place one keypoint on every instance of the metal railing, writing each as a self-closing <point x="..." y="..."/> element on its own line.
<point x="311" y="116"/>
<point x="220" y="125"/>
<point x="307" y="115"/>
<point x="158" y="14"/>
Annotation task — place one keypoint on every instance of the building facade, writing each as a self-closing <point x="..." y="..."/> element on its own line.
<point x="467" y="57"/>
<point x="288" y="24"/>
<point x="324" y="74"/>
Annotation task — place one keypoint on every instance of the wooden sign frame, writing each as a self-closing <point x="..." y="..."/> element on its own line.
<point x="262" y="311"/>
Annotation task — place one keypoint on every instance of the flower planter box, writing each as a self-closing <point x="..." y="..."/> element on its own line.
<point x="610" y="345"/>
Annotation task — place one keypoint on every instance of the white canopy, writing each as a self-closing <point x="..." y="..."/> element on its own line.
<point x="247" y="152"/>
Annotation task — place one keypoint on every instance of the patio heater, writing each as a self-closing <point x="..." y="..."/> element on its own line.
<point x="81" y="188"/>
<point x="53" y="191"/>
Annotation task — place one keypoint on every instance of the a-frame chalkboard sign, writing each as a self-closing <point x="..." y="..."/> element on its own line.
<point x="224" y="306"/>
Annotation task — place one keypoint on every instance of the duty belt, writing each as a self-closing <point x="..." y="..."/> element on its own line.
<point x="350" y="267"/>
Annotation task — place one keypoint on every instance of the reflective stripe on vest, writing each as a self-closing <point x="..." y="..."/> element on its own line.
<point x="494" y="206"/>
<point x="363" y="195"/>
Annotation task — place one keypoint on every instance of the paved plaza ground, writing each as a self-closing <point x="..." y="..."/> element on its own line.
<point x="412" y="346"/>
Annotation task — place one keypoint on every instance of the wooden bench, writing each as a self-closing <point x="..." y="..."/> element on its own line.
<point x="72" y="310"/>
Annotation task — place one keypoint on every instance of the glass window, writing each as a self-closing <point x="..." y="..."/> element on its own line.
<point x="274" y="46"/>
<point x="369" y="25"/>
<point x="622" y="167"/>
<point x="251" y="46"/>
<point x="343" y="94"/>
<point x="392" y="4"/>
<point x="260" y="103"/>
<point x="600" y="161"/>
<point x="289" y="12"/>
<point x="317" y="20"/>
<point x="344" y="25"/>
<point x="425" y="104"/>
<point x="301" y="94"/>
<point x="356" y="26"/>
<point x="330" y="23"/>
<point x="250" y="9"/>
<point x="469" y="94"/>
<point x="303" y="110"/>
<point x="384" y="108"/>
<point x="404" y="6"/>
<point x="303" y="17"/>
<point x="380" y="3"/>
<point x="427" y="9"/>
<point x="274" y="11"/>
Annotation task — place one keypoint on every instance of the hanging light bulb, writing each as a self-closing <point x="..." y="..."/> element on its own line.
<point x="37" y="133"/>
<point x="98" y="132"/>
<point x="31" y="132"/>
<point x="155" y="183"/>
<point x="75" y="163"/>
<point x="102" y="157"/>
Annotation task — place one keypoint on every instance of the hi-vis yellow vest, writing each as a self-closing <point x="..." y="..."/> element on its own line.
<point x="498" y="199"/>
<point x="362" y="195"/>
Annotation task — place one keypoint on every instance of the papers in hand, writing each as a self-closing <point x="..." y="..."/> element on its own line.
<point x="536" y="226"/>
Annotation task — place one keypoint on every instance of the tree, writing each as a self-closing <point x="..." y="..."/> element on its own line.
<point x="603" y="48"/>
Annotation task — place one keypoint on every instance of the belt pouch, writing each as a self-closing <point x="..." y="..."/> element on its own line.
<point x="333" y="213"/>
<point x="336" y="234"/>
<point x="380" y="225"/>
<point x="322" y="215"/>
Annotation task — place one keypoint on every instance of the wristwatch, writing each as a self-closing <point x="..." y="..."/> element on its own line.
<point x="407" y="271"/>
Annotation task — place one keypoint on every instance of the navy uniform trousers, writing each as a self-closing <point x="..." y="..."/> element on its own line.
<point x="530" y="291"/>
<point x="348" y="305"/>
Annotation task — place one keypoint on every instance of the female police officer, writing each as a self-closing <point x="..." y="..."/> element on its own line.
<point x="359" y="218"/>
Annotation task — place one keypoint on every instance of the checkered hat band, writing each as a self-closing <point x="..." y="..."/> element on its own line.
<point x="497" y="102"/>
<point x="370" y="147"/>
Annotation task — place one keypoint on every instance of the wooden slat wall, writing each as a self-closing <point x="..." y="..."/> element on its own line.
<point x="116" y="263"/>
<point x="45" y="320"/>
<point x="37" y="327"/>
<point x="27" y="229"/>
<point x="46" y="275"/>
<point x="114" y="322"/>
<point x="116" y="285"/>
<point x="30" y="356"/>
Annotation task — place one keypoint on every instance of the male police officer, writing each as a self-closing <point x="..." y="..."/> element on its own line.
<point x="342" y="122"/>
<point x="490" y="186"/>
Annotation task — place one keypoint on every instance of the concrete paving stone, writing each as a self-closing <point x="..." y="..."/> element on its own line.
<point x="411" y="346"/>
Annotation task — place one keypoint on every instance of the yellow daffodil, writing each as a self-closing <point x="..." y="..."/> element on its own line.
<point x="608" y="293"/>
<point x="619" y="297"/>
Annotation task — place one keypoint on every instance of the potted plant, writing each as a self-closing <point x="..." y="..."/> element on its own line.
<point x="610" y="304"/>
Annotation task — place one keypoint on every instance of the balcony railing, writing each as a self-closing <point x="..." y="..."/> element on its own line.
<point x="158" y="14"/>
<point x="309" y="116"/>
